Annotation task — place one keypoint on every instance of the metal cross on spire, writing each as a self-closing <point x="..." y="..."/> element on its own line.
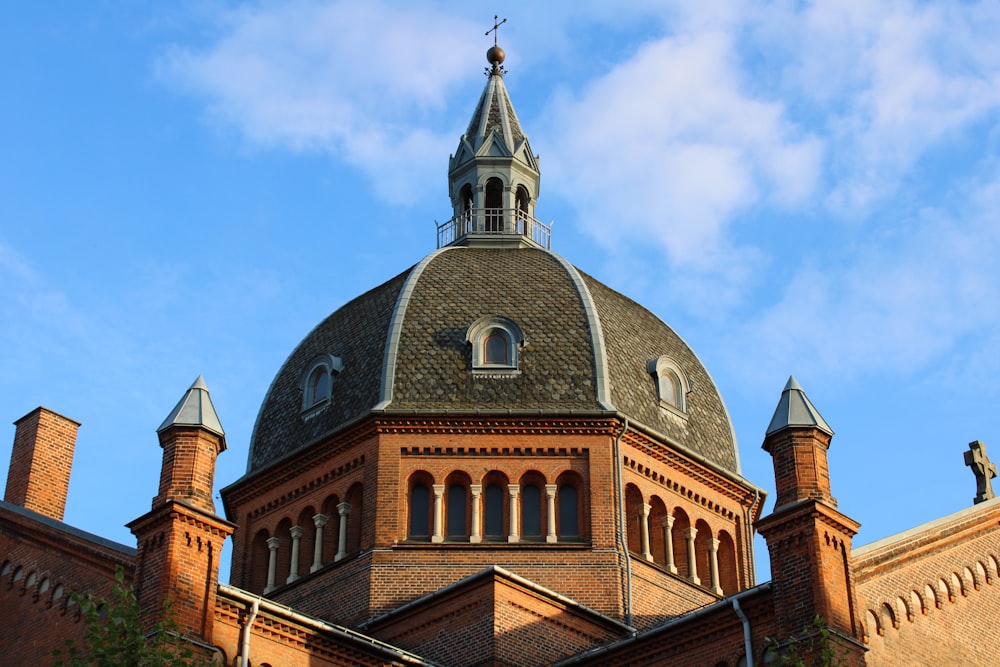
<point x="496" y="28"/>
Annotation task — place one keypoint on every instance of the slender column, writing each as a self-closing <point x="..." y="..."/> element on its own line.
<point x="550" y="505"/>
<point x="713" y="565"/>
<point x="513" y="490"/>
<point x="644" y="531"/>
<point x="476" y="490"/>
<point x="272" y="563"/>
<point x="293" y="569"/>
<point x="438" y="535"/>
<point x="690" y="534"/>
<point x="345" y="511"/>
<point x="320" y="521"/>
<point x="668" y="540"/>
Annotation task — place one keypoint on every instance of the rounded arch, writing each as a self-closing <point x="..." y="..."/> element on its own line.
<point x="903" y="604"/>
<point x="728" y="567"/>
<point x="968" y="581"/>
<point x="888" y="616"/>
<point x="331" y="531"/>
<point x="993" y="566"/>
<point x="917" y="603"/>
<point x="496" y="508"/>
<point x="532" y="496"/>
<point x="657" y="529"/>
<point x="958" y="585"/>
<point x="356" y="499"/>
<point x="284" y="551"/>
<point x="571" y="513"/>
<point x="682" y="523"/>
<point x="702" y="547"/>
<point x="981" y="576"/>
<point x="872" y="625"/>
<point x="493" y="203"/>
<point x="931" y="597"/>
<point x="946" y="594"/>
<point x="308" y="540"/>
<point x="633" y="515"/>
<point x="420" y="506"/>
<point x="255" y="578"/>
<point x="456" y="506"/>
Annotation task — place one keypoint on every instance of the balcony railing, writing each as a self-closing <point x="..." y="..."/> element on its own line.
<point x="494" y="222"/>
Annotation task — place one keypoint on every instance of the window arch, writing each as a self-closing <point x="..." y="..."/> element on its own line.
<point x="494" y="205"/>
<point x="521" y="199"/>
<point x="495" y="341"/>
<point x="532" y="495"/>
<point x="570" y="499"/>
<point x="495" y="506"/>
<point x="420" y="507"/>
<point x="317" y="381"/>
<point x="456" y="499"/>
<point x="671" y="385"/>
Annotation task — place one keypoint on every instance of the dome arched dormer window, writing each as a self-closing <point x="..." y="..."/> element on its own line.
<point x="671" y="384"/>
<point x="318" y="380"/>
<point x="496" y="342"/>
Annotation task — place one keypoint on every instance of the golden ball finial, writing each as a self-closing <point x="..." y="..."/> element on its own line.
<point x="495" y="55"/>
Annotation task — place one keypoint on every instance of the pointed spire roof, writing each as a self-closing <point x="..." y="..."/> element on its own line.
<point x="796" y="410"/>
<point x="195" y="409"/>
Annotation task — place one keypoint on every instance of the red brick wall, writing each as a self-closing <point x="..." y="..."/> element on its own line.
<point x="931" y="595"/>
<point x="40" y="566"/>
<point x="41" y="461"/>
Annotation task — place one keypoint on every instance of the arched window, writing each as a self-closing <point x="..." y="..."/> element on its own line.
<point x="671" y="386"/>
<point x="569" y="518"/>
<point x="495" y="343"/>
<point x="493" y="499"/>
<point x="317" y="382"/>
<point x="521" y="202"/>
<point x="494" y="206"/>
<point x="420" y="516"/>
<point x="531" y="512"/>
<point x="466" y="205"/>
<point x="456" y="511"/>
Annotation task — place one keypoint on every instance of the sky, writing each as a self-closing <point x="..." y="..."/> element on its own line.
<point x="796" y="188"/>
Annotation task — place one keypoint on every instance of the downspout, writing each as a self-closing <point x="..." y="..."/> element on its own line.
<point x="620" y="527"/>
<point x="244" y="654"/>
<point x="747" y="645"/>
<point x="750" y="546"/>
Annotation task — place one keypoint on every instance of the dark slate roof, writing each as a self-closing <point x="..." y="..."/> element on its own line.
<point x="356" y="333"/>
<point x="633" y="336"/>
<point x="565" y="364"/>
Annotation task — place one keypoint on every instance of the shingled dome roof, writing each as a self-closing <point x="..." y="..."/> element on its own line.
<point x="403" y="347"/>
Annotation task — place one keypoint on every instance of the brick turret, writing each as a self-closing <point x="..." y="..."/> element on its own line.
<point x="808" y="539"/>
<point x="180" y="539"/>
<point x="41" y="461"/>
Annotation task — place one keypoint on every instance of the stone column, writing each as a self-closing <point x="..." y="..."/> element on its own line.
<point x="320" y="521"/>
<point x="513" y="490"/>
<point x="438" y="535"/>
<point x="668" y="540"/>
<point x="272" y="563"/>
<point x="550" y="506"/>
<point x="713" y="565"/>
<point x="293" y="568"/>
<point x="690" y="534"/>
<point x="476" y="490"/>
<point x="344" y="509"/>
<point x="644" y="531"/>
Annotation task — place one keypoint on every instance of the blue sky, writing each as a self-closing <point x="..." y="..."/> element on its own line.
<point x="188" y="188"/>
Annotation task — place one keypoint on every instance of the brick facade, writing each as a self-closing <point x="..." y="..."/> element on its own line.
<point x="41" y="461"/>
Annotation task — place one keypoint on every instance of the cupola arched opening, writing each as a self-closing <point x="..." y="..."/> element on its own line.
<point x="521" y="200"/>
<point x="494" y="205"/>
<point x="466" y="205"/>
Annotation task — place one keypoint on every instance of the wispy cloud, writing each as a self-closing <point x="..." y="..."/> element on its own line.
<point x="355" y="80"/>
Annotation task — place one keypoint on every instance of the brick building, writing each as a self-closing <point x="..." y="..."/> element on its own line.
<point x="495" y="459"/>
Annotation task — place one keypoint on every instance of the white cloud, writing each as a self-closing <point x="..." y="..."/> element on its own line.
<point x="669" y="147"/>
<point x="355" y="80"/>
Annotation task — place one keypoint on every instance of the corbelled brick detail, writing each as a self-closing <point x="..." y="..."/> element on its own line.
<point x="41" y="461"/>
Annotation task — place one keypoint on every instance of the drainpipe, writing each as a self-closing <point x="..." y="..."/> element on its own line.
<point x="749" y="531"/>
<point x="244" y="655"/>
<point x="747" y="645"/>
<point x="620" y="527"/>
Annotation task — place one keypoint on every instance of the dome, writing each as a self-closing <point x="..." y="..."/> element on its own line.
<point x="410" y="346"/>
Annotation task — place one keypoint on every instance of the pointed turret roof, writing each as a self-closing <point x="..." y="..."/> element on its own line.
<point x="796" y="410"/>
<point x="195" y="409"/>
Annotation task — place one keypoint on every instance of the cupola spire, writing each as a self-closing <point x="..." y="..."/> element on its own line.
<point x="493" y="177"/>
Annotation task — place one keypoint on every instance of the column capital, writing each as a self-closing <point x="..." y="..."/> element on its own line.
<point x="691" y="532"/>
<point x="296" y="532"/>
<point x="713" y="544"/>
<point x="475" y="489"/>
<point x="550" y="490"/>
<point x="273" y="543"/>
<point x="320" y="520"/>
<point x="344" y="508"/>
<point x="667" y="521"/>
<point x="438" y="489"/>
<point x="514" y="489"/>
<point x="646" y="507"/>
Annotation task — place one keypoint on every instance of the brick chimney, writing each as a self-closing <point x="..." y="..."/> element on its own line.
<point x="180" y="539"/>
<point x="40" y="463"/>
<point x="808" y="540"/>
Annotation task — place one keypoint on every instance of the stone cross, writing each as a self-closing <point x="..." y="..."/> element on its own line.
<point x="496" y="28"/>
<point x="982" y="468"/>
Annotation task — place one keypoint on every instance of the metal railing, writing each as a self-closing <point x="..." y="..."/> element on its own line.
<point x="494" y="221"/>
